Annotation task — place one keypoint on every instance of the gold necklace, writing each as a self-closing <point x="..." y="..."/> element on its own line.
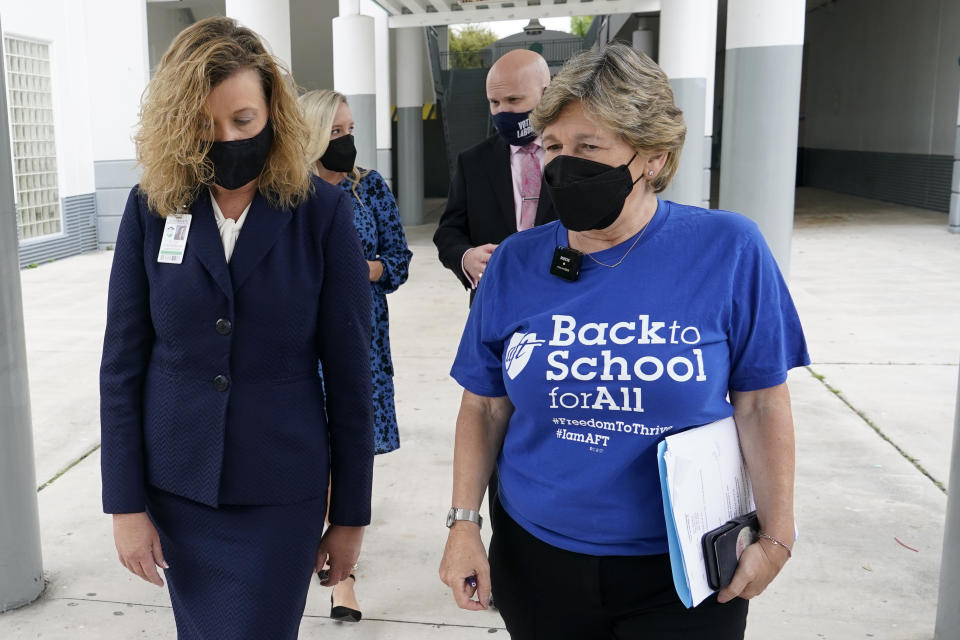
<point x="624" y="257"/>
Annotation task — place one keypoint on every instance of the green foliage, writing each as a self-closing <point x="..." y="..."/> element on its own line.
<point x="466" y="43"/>
<point x="579" y="25"/>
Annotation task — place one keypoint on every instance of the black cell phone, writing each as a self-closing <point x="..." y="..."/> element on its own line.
<point x="723" y="546"/>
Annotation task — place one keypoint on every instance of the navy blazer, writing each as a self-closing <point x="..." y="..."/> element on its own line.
<point x="209" y="386"/>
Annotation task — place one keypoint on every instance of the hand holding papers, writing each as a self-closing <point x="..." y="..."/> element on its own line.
<point x="705" y="483"/>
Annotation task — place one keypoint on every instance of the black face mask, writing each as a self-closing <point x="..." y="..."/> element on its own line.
<point x="341" y="154"/>
<point x="586" y="194"/>
<point x="237" y="162"/>
<point x="514" y="128"/>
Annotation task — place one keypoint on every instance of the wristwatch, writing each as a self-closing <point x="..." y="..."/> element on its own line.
<point x="464" y="514"/>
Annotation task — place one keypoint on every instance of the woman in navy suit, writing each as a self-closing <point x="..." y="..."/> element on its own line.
<point x="219" y="439"/>
<point x="333" y="152"/>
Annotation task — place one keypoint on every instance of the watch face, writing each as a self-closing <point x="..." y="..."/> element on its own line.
<point x="450" y="517"/>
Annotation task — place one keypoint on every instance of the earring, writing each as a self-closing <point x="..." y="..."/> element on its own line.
<point x="651" y="172"/>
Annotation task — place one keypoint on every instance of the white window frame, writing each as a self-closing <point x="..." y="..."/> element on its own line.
<point x="32" y="185"/>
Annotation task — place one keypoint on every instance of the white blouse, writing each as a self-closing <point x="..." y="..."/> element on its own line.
<point x="229" y="229"/>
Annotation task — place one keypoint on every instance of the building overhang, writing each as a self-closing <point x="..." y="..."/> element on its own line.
<point x="425" y="13"/>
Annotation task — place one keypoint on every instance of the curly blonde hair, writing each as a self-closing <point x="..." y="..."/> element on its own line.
<point x="625" y="91"/>
<point x="173" y="134"/>
<point x="319" y="108"/>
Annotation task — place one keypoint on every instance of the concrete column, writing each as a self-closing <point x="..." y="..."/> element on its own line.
<point x="269" y="18"/>
<point x="384" y="103"/>
<point x="21" y="565"/>
<point x="761" y="102"/>
<point x="688" y="36"/>
<point x="354" y="75"/>
<point x="948" y="604"/>
<point x="954" y="224"/>
<point x="410" y="124"/>
<point x="687" y="185"/>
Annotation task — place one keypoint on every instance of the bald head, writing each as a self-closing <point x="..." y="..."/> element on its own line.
<point x="516" y="81"/>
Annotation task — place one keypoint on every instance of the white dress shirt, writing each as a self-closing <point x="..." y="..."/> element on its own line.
<point x="229" y="229"/>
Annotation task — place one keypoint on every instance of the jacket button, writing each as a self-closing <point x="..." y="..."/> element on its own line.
<point x="221" y="383"/>
<point x="224" y="327"/>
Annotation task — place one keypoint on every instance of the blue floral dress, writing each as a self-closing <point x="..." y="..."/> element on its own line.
<point x="377" y="220"/>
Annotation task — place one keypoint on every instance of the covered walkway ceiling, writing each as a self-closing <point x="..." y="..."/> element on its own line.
<point x="423" y="13"/>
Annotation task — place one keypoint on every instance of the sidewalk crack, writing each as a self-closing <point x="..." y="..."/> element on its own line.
<point x="863" y="416"/>
<point x="312" y="616"/>
<point x="888" y="363"/>
<point x="57" y="475"/>
<point x="419" y="623"/>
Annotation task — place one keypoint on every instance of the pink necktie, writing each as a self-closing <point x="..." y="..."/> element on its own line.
<point x="529" y="185"/>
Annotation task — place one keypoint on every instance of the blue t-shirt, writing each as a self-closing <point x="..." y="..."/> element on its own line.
<point x="601" y="369"/>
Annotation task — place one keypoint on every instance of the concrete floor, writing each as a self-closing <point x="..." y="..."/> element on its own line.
<point x="876" y="288"/>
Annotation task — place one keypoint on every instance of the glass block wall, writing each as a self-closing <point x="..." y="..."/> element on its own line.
<point x="30" y="103"/>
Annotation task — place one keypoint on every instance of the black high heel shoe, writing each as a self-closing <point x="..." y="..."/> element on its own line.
<point x="344" y="614"/>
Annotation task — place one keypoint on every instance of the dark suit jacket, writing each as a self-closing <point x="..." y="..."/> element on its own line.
<point x="209" y="383"/>
<point x="480" y="207"/>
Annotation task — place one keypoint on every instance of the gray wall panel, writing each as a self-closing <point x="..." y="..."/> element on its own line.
<point x="113" y="180"/>
<point x="912" y="179"/>
<point x="947" y="84"/>
<point x="107" y="227"/>
<point x="881" y="75"/>
<point x="112" y="201"/>
<point x="115" y="174"/>
<point x="79" y="233"/>
<point x="954" y="221"/>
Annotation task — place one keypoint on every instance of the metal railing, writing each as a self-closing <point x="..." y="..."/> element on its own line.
<point x="555" y="52"/>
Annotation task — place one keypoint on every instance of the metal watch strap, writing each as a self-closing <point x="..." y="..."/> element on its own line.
<point x="456" y="514"/>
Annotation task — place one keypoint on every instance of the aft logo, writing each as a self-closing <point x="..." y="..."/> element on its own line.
<point x="520" y="347"/>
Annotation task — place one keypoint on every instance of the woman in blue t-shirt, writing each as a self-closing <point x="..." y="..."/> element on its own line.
<point x="590" y="340"/>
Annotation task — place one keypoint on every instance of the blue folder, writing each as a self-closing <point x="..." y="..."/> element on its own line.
<point x="676" y="557"/>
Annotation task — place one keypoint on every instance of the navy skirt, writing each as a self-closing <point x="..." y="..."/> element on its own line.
<point x="238" y="571"/>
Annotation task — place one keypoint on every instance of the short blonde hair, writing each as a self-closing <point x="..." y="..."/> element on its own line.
<point x="625" y="91"/>
<point x="319" y="108"/>
<point x="173" y="135"/>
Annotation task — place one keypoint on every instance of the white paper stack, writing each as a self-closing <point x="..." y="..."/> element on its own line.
<point x="705" y="484"/>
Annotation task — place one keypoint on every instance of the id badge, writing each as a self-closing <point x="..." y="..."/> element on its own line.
<point x="175" y="231"/>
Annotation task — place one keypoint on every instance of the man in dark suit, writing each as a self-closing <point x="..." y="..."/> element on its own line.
<point x="496" y="188"/>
